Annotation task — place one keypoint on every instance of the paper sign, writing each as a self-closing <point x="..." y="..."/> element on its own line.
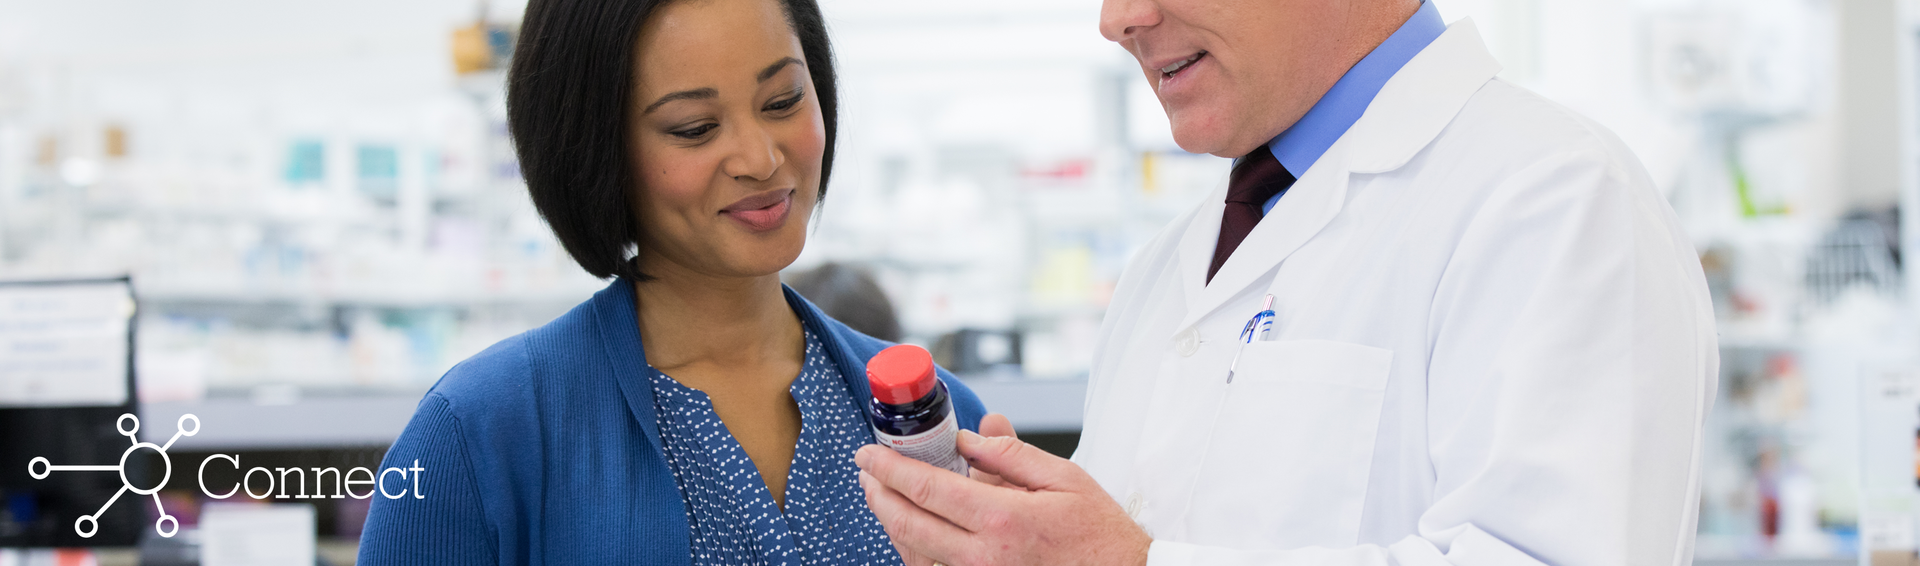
<point x="64" y="344"/>
<point x="247" y="534"/>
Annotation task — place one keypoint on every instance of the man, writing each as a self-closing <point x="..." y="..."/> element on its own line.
<point x="1490" y="341"/>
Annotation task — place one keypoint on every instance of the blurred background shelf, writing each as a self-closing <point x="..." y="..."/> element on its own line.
<point x="292" y="421"/>
<point x="1035" y="406"/>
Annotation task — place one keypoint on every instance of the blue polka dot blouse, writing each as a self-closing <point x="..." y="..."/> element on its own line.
<point x="732" y="516"/>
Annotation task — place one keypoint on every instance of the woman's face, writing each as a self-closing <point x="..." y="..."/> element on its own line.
<point x="727" y="139"/>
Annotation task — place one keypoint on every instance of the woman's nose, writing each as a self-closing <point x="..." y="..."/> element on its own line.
<point x="756" y="155"/>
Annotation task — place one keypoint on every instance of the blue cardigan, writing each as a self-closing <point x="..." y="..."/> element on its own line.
<point x="544" y="448"/>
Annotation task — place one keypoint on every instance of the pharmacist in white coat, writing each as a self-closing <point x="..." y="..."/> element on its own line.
<point x="1491" y="342"/>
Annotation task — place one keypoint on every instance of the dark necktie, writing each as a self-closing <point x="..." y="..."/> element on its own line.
<point x="1256" y="178"/>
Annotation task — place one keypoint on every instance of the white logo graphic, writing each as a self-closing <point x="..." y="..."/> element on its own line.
<point x="87" y="525"/>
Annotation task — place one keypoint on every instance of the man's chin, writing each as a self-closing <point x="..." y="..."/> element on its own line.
<point x="1204" y="135"/>
<point x="1195" y="143"/>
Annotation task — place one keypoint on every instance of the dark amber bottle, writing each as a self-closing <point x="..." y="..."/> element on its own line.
<point x="911" y="410"/>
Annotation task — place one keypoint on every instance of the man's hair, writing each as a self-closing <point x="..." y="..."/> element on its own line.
<point x="850" y="295"/>
<point x="569" y="100"/>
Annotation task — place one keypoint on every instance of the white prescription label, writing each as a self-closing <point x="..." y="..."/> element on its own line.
<point x="933" y="447"/>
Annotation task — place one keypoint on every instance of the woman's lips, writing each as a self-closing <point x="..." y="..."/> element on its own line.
<point x="762" y="212"/>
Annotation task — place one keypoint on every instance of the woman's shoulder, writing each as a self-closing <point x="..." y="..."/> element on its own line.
<point x="516" y="371"/>
<point x="484" y="431"/>
<point x="500" y="372"/>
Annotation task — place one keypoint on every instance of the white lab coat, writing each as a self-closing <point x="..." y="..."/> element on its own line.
<point x="1494" y="345"/>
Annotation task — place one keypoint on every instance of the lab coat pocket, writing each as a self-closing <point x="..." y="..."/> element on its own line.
<point x="1293" y="447"/>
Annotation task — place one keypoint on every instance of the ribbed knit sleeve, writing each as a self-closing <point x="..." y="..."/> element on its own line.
<point x="446" y="522"/>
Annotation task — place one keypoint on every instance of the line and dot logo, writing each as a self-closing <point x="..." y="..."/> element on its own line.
<point x="347" y="484"/>
<point x="87" y="525"/>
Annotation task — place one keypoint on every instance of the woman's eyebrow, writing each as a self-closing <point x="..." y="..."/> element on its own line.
<point x="695" y="94"/>
<point x="709" y="93"/>
<point x="768" y="72"/>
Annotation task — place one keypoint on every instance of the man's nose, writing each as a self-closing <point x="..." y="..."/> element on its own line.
<point x="1120" y="20"/>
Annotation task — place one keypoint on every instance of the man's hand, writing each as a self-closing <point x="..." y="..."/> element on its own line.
<point x="1048" y="511"/>
<point x="994" y="425"/>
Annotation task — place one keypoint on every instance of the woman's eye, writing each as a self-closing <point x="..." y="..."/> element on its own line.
<point x="779" y="105"/>
<point x="694" y="132"/>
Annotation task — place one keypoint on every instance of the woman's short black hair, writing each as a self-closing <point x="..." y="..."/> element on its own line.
<point x="569" y="97"/>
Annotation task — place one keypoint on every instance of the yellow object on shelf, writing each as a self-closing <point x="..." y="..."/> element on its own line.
<point x="471" y="53"/>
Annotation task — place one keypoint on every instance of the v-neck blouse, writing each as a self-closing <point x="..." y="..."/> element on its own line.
<point x="732" y="516"/>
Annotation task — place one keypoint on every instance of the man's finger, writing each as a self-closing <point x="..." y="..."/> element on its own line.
<point x="996" y="424"/>
<point x="911" y="558"/>
<point x="957" y="499"/>
<point x="918" y="535"/>
<point x="1018" y="463"/>
<point x="982" y="476"/>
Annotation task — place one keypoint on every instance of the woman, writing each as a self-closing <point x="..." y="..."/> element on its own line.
<point x="695" y="411"/>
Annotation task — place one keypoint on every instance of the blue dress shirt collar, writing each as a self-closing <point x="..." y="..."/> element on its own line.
<point x="1303" y="143"/>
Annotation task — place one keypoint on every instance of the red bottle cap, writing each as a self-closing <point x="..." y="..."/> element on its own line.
<point x="901" y="374"/>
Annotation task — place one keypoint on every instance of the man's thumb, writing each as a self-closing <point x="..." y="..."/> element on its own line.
<point x="1017" y="462"/>
<point x="996" y="424"/>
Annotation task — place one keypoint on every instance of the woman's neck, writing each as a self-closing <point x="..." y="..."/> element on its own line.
<point x="694" y="319"/>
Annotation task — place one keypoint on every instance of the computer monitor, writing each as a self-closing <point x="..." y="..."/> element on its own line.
<point x="66" y="377"/>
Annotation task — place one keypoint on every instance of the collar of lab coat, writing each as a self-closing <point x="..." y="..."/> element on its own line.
<point x="1408" y="113"/>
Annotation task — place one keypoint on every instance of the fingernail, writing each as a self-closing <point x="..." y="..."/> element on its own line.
<point x="861" y="457"/>
<point x="968" y="438"/>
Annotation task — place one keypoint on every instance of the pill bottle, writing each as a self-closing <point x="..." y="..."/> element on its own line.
<point x="911" y="411"/>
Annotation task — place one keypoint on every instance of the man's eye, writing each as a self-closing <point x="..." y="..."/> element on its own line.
<point x="694" y="132"/>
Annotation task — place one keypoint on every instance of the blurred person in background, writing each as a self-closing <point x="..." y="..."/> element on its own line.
<point x="850" y="295"/>
<point x="1488" y="341"/>
<point x="695" y="411"/>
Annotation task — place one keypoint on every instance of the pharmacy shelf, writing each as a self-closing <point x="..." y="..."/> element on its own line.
<point x="1035" y="405"/>
<point x="369" y="295"/>
<point x="242" y="423"/>
<point x="283" y="422"/>
<point x="1758" y="341"/>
